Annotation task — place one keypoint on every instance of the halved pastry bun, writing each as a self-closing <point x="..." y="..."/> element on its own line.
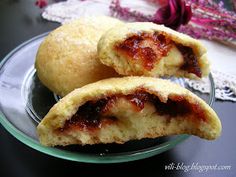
<point x="122" y="109"/>
<point x="145" y="48"/>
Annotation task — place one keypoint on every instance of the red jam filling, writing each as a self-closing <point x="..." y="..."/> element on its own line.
<point x="90" y="116"/>
<point x="190" y="60"/>
<point x="149" y="49"/>
<point x="145" y="47"/>
<point x="138" y="99"/>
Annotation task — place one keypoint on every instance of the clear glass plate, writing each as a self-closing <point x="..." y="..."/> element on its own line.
<point x="24" y="101"/>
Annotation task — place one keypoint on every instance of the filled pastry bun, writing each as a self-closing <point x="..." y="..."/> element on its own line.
<point x="148" y="49"/>
<point x="117" y="110"/>
<point x="67" y="58"/>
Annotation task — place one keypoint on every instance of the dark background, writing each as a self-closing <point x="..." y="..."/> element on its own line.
<point x="20" y="21"/>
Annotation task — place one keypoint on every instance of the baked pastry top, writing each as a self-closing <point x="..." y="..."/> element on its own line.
<point x="148" y="49"/>
<point x="122" y="109"/>
<point x="67" y="58"/>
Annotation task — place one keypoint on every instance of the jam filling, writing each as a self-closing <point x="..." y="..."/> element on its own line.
<point x="190" y="60"/>
<point x="88" y="115"/>
<point x="91" y="115"/>
<point x="150" y="48"/>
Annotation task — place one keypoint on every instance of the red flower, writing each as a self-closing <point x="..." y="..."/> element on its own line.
<point x="159" y="2"/>
<point x="174" y="14"/>
<point x="41" y="3"/>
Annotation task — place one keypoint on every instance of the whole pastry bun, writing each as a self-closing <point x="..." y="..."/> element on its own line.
<point x="67" y="58"/>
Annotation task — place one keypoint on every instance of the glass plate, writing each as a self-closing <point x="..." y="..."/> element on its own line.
<point x="24" y="101"/>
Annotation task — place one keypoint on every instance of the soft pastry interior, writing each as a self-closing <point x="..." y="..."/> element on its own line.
<point x="132" y="49"/>
<point x="156" y="53"/>
<point x="119" y="117"/>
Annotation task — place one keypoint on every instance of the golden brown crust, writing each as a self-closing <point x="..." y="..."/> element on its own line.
<point x="123" y="66"/>
<point x="156" y="126"/>
<point x="67" y="58"/>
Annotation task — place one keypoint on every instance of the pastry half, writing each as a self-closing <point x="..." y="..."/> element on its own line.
<point x="148" y="49"/>
<point x="67" y="58"/>
<point x="117" y="110"/>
